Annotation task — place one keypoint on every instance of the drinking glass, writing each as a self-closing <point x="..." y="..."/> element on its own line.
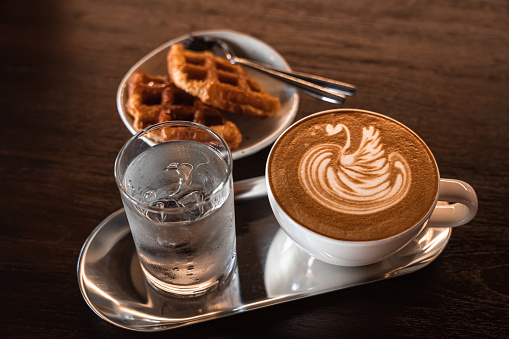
<point x="178" y="198"/>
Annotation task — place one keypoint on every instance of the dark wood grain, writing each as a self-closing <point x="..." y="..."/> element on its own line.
<point x="440" y="67"/>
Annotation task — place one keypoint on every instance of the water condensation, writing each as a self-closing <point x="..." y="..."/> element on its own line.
<point x="195" y="242"/>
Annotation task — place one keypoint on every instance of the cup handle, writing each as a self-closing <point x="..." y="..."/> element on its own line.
<point x="460" y="204"/>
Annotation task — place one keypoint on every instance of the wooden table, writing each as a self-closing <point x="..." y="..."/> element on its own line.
<point x="440" y="67"/>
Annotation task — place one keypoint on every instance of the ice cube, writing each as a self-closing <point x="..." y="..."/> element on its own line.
<point x="190" y="198"/>
<point x="193" y="203"/>
<point x="185" y="170"/>
<point x="176" y="178"/>
<point x="161" y="216"/>
<point x="170" y="243"/>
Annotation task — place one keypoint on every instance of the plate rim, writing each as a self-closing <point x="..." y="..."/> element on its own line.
<point x="238" y="154"/>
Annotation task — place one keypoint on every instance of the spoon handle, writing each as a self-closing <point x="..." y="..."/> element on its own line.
<point x="332" y="85"/>
<point x="322" y="88"/>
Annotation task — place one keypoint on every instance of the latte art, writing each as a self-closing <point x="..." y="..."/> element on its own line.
<point x="363" y="180"/>
<point x="352" y="175"/>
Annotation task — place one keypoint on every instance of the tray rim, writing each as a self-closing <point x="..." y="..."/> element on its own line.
<point x="409" y="268"/>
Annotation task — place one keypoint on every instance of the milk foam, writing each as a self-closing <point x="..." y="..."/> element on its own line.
<point x="358" y="181"/>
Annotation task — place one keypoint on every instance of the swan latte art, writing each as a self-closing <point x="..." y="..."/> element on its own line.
<point x="353" y="175"/>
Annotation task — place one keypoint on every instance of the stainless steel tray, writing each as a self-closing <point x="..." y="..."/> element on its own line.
<point x="271" y="270"/>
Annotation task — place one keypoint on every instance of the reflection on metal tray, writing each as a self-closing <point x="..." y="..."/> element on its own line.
<point x="271" y="269"/>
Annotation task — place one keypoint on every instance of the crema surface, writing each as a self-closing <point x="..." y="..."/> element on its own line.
<point x="353" y="175"/>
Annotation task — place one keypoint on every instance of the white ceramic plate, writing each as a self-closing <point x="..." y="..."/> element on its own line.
<point x="257" y="134"/>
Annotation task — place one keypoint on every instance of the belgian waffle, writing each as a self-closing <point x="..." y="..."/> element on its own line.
<point x="218" y="83"/>
<point x="154" y="99"/>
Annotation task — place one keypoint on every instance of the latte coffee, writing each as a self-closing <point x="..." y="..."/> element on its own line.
<point x="353" y="175"/>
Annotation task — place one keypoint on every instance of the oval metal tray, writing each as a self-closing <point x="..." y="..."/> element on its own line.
<point x="271" y="270"/>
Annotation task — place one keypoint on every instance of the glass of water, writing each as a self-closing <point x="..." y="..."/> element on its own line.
<point x="178" y="198"/>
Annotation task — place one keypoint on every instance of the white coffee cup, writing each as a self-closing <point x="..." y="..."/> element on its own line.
<point x="458" y="205"/>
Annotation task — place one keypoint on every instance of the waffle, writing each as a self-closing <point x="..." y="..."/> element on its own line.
<point x="154" y="99"/>
<point x="218" y="83"/>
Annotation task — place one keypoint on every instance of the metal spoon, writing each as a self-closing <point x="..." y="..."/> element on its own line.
<point x="322" y="88"/>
